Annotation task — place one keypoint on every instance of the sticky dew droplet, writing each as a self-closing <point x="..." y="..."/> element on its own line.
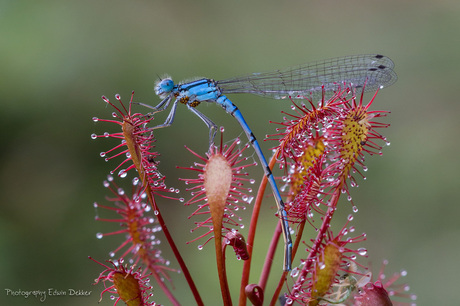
<point x="362" y="251"/>
<point x="122" y="173"/>
<point x="295" y="272"/>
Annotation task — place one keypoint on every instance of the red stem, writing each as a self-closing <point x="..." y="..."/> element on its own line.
<point x="284" y="275"/>
<point x="176" y="252"/>
<point x="221" y="270"/>
<point x="251" y="236"/>
<point x="269" y="257"/>
<point x="130" y="137"/>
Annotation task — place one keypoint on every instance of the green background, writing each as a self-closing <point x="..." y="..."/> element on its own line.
<point x="58" y="57"/>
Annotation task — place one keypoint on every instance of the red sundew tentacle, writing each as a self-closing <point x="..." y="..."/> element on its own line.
<point x="348" y="128"/>
<point x="235" y="193"/>
<point x="220" y="187"/>
<point x="138" y="140"/>
<point x="129" y="285"/>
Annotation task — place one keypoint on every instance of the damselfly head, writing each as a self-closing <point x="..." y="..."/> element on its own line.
<point x="164" y="86"/>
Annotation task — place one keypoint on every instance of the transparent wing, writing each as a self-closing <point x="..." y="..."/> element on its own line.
<point x="373" y="70"/>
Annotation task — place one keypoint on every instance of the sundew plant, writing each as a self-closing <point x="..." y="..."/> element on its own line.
<point x="321" y="147"/>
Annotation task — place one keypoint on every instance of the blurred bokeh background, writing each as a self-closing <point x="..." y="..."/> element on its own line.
<point x="58" y="57"/>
